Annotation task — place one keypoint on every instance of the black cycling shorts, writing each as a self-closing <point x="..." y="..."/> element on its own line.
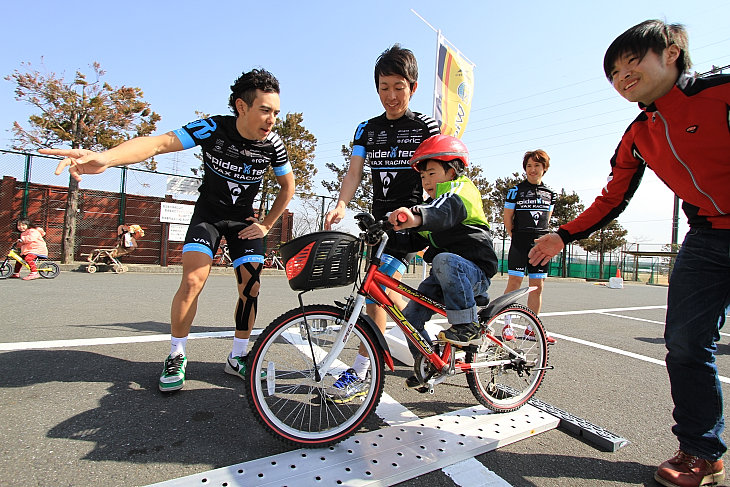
<point x="518" y="261"/>
<point x="209" y="223"/>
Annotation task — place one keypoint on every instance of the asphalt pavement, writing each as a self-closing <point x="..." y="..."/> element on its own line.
<point x="80" y="356"/>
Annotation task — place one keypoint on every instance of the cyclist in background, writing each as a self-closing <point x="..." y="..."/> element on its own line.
<point x="527" y="211"/>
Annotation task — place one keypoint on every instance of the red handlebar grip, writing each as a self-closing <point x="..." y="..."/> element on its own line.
<point x="402" y="217"/>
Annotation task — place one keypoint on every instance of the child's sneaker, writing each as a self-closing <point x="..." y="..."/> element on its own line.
<point x="31" y="276"/>
<point x="508" y="334"/>
<point x="173" y="373"/>
<point x="347" y="387"/>
<point x="461" y="335"/>
<point x="530" y="335"/>
<point x="15" y="275"/>
<point x="413" y="383"/>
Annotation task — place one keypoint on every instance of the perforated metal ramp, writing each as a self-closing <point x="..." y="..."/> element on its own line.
<point x="385" y="456"/>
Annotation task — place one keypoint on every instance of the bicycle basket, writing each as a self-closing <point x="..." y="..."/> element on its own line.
<point x="320" y="260"/>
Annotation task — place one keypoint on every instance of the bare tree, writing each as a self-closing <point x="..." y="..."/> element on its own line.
<point x="83" y="113"/>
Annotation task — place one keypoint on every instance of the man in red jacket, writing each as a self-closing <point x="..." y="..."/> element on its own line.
<point x="683" y="135"/>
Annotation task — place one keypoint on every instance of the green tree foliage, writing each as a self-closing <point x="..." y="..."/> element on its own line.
<point x="363" y="199"/>
<point x="567" y="207"/>
<point x="300" y="144"/>
<point x="82" y="113"/>
<point x="498" y="195"/>
<point x="607" y="239"/>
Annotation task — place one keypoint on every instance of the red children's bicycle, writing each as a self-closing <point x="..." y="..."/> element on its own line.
<point x="296" y="362"/>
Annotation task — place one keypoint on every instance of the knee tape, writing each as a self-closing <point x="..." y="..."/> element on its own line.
<point x="244" y="310"/>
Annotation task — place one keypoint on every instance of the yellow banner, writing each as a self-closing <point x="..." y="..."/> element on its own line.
<point x="454" y="89"/>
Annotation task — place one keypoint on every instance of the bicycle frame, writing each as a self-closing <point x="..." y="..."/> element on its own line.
<point x="14" y="255"/>
<point x="371" y="287"/>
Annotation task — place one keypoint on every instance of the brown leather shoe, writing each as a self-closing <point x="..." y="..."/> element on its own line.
<point x="685" y="470"/>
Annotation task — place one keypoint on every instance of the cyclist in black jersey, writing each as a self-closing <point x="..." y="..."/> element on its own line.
<point x="386" y="143"/>
<point x="237" y="151"/>
<point x="527" y="211"/>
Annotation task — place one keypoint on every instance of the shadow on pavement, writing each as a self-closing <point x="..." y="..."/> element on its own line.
<point x="208" y="422"/>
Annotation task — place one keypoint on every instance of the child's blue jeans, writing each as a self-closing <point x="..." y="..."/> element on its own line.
<point x="454" y="281"/>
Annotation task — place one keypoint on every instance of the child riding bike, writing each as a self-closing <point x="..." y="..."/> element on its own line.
<point x="453" y="225"/>
<point x="32" y="246"/>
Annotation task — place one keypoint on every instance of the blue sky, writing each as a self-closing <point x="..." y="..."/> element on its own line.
<point x="538" y="80"/>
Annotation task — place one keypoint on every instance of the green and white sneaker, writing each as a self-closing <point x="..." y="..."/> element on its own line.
<point x="236" y="366"/>
<point x="173" y="373"/>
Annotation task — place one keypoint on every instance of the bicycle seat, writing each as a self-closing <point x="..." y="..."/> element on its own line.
<point x="482" y="299"/>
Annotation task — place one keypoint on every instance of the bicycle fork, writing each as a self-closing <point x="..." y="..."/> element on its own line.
<point x="323" y="367"/>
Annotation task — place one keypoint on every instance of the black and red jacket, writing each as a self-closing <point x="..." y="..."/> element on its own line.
<point x="684" y="137"/>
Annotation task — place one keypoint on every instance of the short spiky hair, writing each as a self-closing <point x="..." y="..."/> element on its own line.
<point x="246" y="85"/>
<point x="650" y="34"/>
<point x="399" y="61"/>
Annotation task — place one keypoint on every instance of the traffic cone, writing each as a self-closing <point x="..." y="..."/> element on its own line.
<point x="618" y="272"/>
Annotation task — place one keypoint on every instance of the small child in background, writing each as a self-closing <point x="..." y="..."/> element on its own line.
<point x="32" y="246"/>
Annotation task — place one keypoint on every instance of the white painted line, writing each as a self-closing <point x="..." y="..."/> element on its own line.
<point x="633" y="318"/>
<point x="90" y="342"/>
<point x="472" y="473"/>
<point x="393" y="412"/>
<point x="604" y="310"/>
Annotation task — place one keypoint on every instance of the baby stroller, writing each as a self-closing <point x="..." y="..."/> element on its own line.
<point x="127" y="236"/>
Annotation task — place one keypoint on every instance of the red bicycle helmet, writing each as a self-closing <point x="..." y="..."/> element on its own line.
<point x="443" y="148"/>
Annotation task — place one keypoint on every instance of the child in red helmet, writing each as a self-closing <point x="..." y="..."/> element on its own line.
<point x="452" y="224"/>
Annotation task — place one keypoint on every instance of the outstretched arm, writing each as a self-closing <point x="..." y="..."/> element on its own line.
<point x="83" y="161"/>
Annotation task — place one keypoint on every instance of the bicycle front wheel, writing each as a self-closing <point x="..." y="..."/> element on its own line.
<point x="282" y="383"/>
<point x="508" y="386"/>
<point x="48" y="269"/>
<point x="6" y="268"/>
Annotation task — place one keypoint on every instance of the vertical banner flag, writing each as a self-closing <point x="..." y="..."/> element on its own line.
<point x="453" y="90"/>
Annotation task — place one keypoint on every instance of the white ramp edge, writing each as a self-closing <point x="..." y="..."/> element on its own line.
<point x="385" y="456"/>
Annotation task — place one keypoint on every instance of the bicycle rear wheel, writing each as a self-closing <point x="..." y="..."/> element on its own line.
<point x="48" y="269"/>
<point x="504" y="388"/>
<point x="282" y="386"/>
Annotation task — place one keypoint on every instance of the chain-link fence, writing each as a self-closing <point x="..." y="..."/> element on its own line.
<point x="652" y="266"/>
<point x="120" y="195"/>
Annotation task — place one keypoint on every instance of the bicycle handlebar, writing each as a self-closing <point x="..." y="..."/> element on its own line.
<point x="373" y="229"/>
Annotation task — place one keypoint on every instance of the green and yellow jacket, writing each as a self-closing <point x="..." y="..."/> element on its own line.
<point x="454" y="222"/>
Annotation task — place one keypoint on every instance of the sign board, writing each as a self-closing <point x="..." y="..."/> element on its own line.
<point x="176" y="213"/>
<point x="182" y="185"/>
<point x="176" y="232"/>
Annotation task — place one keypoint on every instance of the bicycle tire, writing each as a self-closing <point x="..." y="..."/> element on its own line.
<point x="48" y="269"/>
<point x="6" y="269"/>
<point x="287" y="400"/>
<point x="507" y="388"/>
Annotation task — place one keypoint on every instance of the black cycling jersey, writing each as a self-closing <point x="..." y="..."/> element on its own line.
<point x="387" y="147"/>
<point x="532" y="204"/>
<point x="233" y="166"/>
